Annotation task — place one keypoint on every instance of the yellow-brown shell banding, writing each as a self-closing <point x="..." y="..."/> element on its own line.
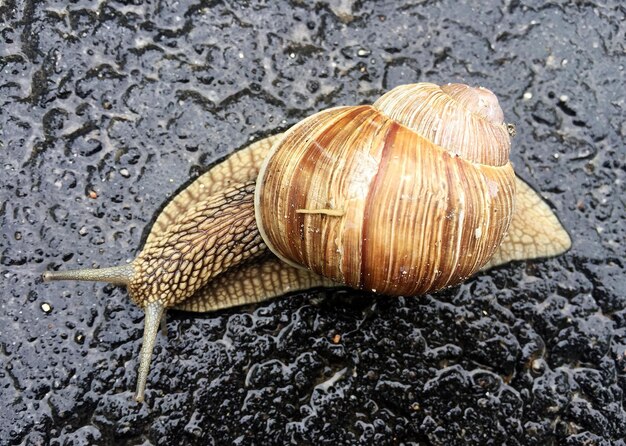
<point x="362" y="196"/>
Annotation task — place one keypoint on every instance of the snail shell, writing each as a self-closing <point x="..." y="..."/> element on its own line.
<point x="408" y="195"/>
<point x="358" y="195"/>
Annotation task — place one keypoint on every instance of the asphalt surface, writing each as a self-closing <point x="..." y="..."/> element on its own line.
<point x="107" y="108"/>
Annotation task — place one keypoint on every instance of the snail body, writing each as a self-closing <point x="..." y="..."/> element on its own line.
<point x="403" y="197"/>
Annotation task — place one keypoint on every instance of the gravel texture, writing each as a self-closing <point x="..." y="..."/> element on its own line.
<point x="108" y="107"/>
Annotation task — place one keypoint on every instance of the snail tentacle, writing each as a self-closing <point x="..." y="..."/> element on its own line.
<point x="117" y="275"/>
<point x="154" y="314"/>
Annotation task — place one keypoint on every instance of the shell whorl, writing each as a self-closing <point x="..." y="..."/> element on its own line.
<point x="466" y="121"/>
<point x="401" y="197"/>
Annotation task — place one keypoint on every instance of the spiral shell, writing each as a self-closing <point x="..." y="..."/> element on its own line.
<point x="406" y="196"/>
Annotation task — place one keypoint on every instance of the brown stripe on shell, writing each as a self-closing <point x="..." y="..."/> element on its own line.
<point x="281" y="195"/>
<point x="368" y="272"/>
<point x="360" y="152"/>
<point x="416" y="234"/>
<point x="397" y="258"/>
<point x="312" y="172"/>
<point x="326" y="156"/>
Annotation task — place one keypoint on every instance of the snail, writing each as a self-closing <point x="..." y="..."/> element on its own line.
<point x="406" y="196"/>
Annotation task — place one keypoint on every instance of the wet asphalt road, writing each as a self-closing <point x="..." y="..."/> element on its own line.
<point x="107" y="108"/>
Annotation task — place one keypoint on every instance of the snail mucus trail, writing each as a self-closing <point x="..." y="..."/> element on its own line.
<point x="406" y="196"/>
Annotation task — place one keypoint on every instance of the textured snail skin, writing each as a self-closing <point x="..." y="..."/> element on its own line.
<point x="250" y="281"/>
<point x="205" y="252"/>
<point x="216" y="234"/>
